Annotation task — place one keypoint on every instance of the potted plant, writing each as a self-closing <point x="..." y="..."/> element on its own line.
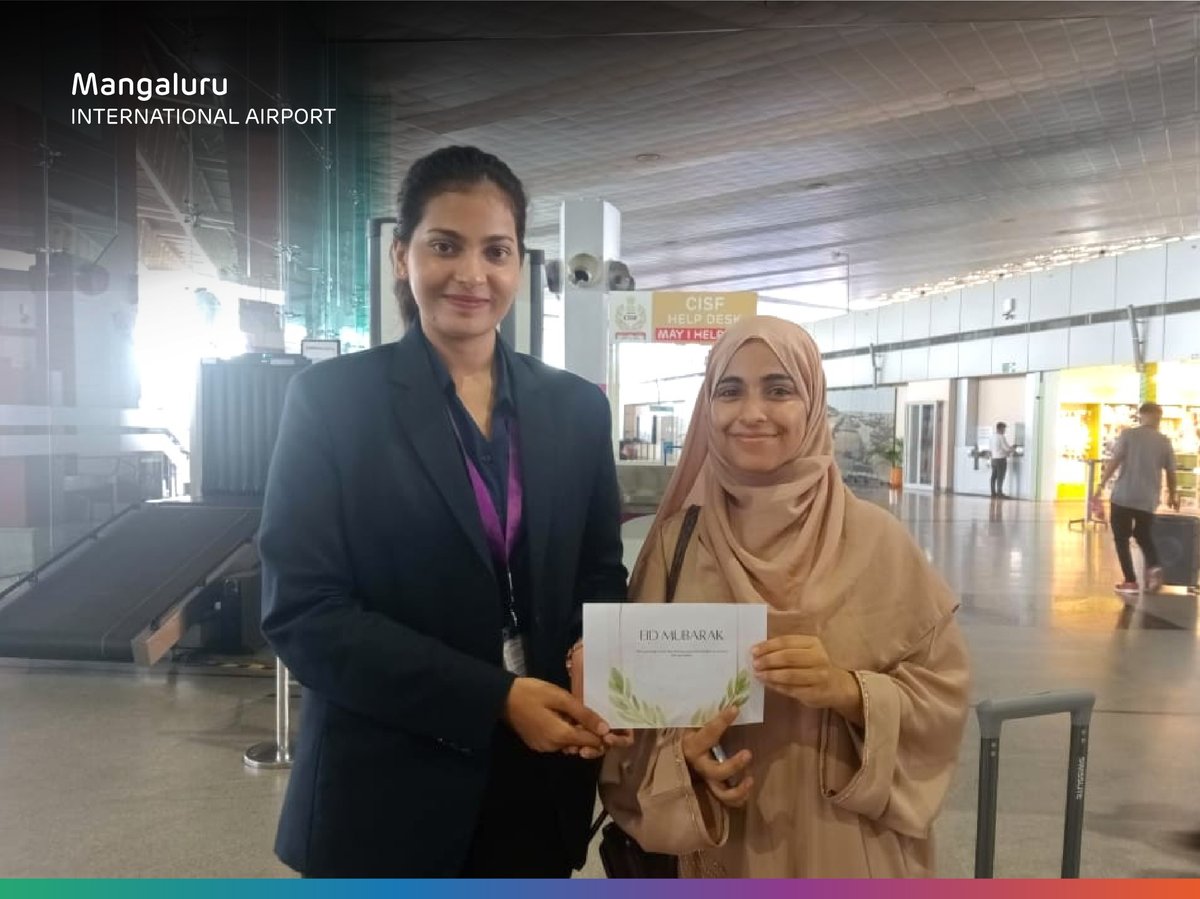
<point x="894" y="456"/>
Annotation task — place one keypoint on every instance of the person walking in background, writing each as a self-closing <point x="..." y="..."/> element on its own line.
<point x="1001" y="450"/>
<point x="1140" y="455"/>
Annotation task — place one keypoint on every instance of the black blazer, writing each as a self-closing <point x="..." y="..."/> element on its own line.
<point x="379" y="595"/>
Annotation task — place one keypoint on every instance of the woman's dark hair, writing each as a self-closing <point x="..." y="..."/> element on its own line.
<point x="450" y="168"/>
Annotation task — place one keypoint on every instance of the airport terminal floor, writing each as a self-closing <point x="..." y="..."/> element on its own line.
<point x="111" y="771"/>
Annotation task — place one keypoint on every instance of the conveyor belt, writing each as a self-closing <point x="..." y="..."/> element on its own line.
<point x="123" y="593"/>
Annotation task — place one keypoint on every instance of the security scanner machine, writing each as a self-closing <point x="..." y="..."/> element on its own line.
<point x="160" y="572"/>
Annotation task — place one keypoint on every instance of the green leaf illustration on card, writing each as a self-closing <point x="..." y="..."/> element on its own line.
<point x="635" y="711"/>
<point x="703" y="716"/>
<point x="628" y="706"/>
<point x="737" y="692"/>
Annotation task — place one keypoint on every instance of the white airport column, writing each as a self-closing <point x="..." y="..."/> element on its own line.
<point x="589" y="237"/>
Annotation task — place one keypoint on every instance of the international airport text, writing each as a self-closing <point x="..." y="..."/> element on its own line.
<point x="188" y="116"/>
<point x="145" y="89"/>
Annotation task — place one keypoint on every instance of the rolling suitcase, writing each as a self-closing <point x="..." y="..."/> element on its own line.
<point x="1177" y="539"/>
<point x="992" y="715"/>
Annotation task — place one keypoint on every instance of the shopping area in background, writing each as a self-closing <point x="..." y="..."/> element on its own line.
<point x="1096" y="404"/>
<point x="875" y="431"/>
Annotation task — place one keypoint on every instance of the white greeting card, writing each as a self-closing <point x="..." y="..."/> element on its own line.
<point x="658" y="665"/>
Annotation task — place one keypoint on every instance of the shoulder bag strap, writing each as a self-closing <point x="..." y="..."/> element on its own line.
<point x="681" y="545"/>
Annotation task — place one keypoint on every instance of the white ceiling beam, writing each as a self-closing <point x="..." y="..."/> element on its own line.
<point x="201" y="260"/>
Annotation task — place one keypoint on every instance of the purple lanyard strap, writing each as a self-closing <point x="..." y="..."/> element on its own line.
<point x="500" y="540"/>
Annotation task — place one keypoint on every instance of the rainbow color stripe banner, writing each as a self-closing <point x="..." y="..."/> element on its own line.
<point x="640" y="889"/>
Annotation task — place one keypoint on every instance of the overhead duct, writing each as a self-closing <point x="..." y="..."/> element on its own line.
<point x="68" y="273"/>
<point x="1139" y="342"/>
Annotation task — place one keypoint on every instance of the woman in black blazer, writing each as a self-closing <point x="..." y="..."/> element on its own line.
<point x="437" y="512"/>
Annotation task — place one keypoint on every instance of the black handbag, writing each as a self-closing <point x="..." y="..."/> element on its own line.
<point x="620" y="853"/>
<point x="624" y="859"/>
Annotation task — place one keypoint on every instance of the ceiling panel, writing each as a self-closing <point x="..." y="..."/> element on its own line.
<point x="926" y="140"/>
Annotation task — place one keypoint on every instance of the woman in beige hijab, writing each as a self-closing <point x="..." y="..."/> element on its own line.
<point x="865" y="668"/>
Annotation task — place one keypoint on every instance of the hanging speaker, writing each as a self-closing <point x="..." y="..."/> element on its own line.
<point x="91" y="279"/>
<point x="583" y="270"/>
<point x="554" y="275"/>
<point x="619" y="277"/>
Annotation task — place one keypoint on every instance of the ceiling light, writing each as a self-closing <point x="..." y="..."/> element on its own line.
<point x="816" y="185"/>
<point x="1059" y="256"/>
<point x="958" y="93"/>
<point x="647" y="157"/>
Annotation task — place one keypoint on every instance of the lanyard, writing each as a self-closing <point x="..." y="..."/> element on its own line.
<point x="500" y="540"/>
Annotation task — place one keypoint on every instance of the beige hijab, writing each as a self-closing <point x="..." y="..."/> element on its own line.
<point x="830" y="800"/>
<point x="776" y="537"/>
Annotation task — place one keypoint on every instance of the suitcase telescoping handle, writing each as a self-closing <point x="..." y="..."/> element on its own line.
<point x="992" y="714"/>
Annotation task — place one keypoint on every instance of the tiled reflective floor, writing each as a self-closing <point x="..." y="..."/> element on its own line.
<point x="110" y="772"/>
